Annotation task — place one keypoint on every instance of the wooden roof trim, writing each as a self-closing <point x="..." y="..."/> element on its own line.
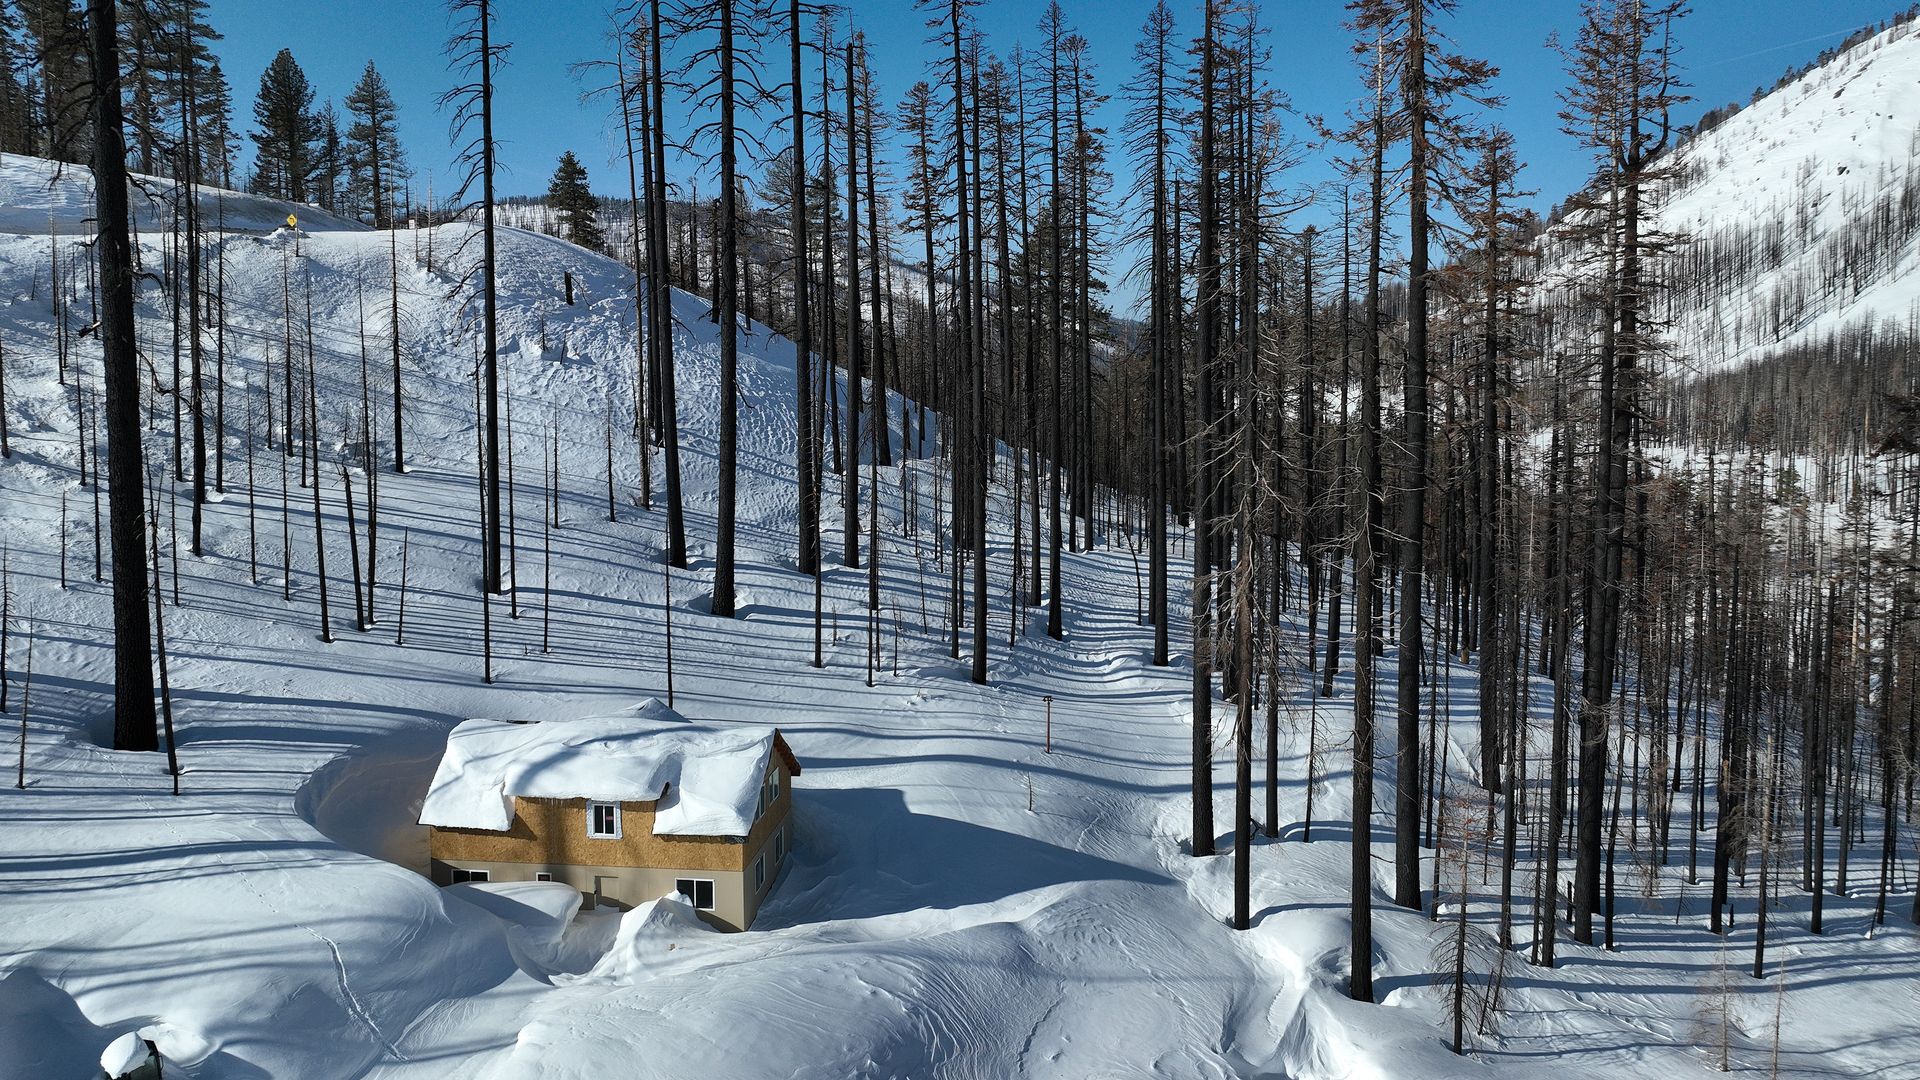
<point x="786" y="753"/>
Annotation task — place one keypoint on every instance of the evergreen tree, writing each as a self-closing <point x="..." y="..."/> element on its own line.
<point x="570" y="199"/>
<point x="289" y="136"/>
<point x="216" y="142"/>
<point x="171" y="73"/>
<point x="374" y="158"/>
<point x="16" y="106"/>
<point x="58" y="83"/>
<point x="329" y="165"/>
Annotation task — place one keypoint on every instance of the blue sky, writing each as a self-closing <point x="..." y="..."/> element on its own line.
<point x="1731" y="46"/>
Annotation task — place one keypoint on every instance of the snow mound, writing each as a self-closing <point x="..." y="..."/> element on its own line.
<point x="539" y="917"/>
<point x="42" y="1029"/>
<point x="542" y="907"/>
<point x="176" y="1046"/>
<point x="123" y="1055"/>
<point x="647" y="935"/>
<point x="707" y="779"/>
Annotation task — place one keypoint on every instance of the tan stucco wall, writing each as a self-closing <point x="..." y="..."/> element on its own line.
<point x="550" y="835"/>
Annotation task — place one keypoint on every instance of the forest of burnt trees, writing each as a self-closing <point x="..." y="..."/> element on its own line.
<point x="1386" y="427"/>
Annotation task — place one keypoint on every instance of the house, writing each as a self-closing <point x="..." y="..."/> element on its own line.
<point x="624" y="808"/>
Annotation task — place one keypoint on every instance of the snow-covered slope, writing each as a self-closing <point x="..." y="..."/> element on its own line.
<point x="38" y="196"/>
<point x="986" y="881"/>
<point x="1800" y="213"/>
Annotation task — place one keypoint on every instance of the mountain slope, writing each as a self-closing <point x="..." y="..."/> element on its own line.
<point x="1800" y="213"/>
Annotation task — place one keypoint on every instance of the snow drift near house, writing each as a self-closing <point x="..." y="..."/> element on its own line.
<point x="706" y="777"/>
<point x="649" y="937"/>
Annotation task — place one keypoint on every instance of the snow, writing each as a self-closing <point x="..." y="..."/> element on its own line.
<point x="963" y="899"/>
<point x="1790" y="182"/>
<point x="123" y="1054"/>
<point x="546" y="906"/>
<point x="710" y="777"/>
<point x="641" y="946"/>
<point x="40" y="197"/>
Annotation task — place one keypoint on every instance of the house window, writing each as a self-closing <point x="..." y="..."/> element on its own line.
<point x="769" y="792"/>
<point x="696" y="891"/>
<point x="542" y="875"/>
<point x="461" y="877"/>
<point x="780" y="844"/>
<point x="603" y="820"/>
<point x="760" y="872"/>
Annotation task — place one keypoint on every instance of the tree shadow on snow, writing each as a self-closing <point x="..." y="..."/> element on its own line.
<point x="862" y="854"/>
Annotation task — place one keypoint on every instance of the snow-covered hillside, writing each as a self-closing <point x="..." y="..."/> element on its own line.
<point x="1800" y="214"/>
<point x="966" y="898"/>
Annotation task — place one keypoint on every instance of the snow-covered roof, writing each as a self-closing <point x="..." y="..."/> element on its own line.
<point x="706" y="779"/>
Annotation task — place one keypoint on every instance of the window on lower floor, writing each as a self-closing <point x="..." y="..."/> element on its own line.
<point x="462" y="876"/>
<point x="542" y="875"/>
<point x="695" y="891"/>
<point x="603" y="820"/>
<point x="780" y="843"/>
<point x="760" y="873"/>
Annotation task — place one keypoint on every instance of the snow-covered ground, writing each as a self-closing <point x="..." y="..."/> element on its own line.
<point x="961" y="901"/>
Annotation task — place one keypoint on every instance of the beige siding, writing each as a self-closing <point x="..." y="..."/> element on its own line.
<point x="626" y="886"/>
<point x="550" y="835"/>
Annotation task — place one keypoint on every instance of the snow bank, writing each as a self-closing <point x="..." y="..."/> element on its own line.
<point x="542" y="907"/>
<point x="123" y="1055"/>
<point x="707" y="779"/>
<point x="646" y="935"/>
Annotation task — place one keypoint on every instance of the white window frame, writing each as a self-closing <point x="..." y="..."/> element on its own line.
<point x="769" y="792"/>
<point x="593" y="809"/>
<point x="542" y="875"/>
<point x="693" y="898"/>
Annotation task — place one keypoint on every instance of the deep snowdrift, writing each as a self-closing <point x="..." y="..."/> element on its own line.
<point x="961" y="903"/>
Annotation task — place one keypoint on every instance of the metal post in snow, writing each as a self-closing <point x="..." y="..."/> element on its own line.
<point x="1049" y="700"/>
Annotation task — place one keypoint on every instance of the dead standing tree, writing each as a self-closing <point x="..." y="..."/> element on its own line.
<point x="1624" y="90"/>
<point x="735" y="29"/>
<point x="473" y="51"/>
<point x="133" y="706"/>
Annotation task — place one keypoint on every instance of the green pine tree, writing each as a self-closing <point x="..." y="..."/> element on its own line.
<point x="288" y="134"/>
<point x="58" y="78"/>
<point x="329" y="161"/>
<point x="374" y="160"/>
<point x="570" y="199"/>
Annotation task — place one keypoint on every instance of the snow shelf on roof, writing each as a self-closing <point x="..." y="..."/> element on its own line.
<point x="706" y="778"/>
